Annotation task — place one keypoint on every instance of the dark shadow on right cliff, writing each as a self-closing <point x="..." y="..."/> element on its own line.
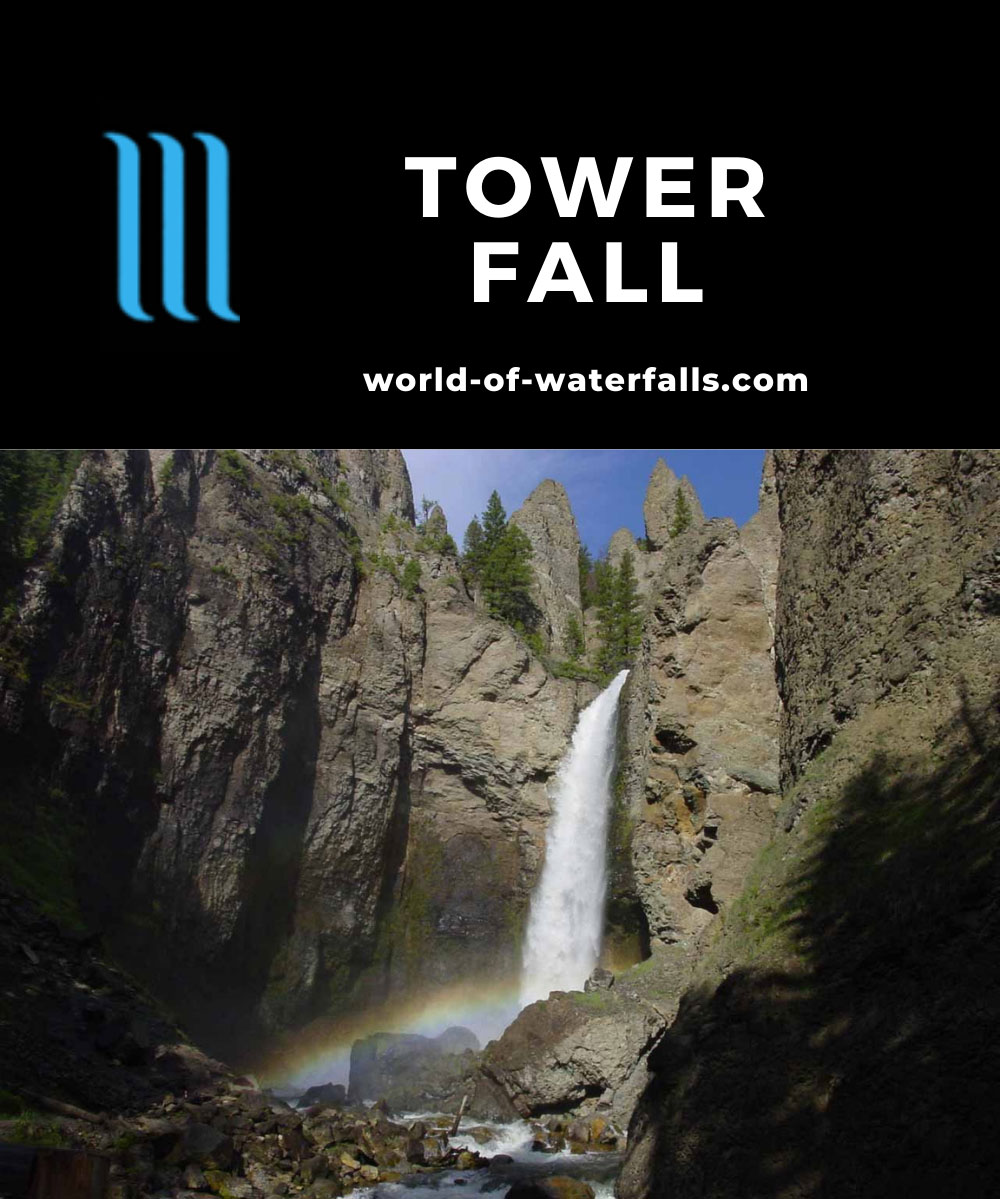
<point x="870" y="1064"/>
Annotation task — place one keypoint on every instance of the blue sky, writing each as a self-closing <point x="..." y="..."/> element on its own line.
<point x="606" y="487"/>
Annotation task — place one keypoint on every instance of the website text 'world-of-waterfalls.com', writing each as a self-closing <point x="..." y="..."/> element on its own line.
<point x="652" y="379"/>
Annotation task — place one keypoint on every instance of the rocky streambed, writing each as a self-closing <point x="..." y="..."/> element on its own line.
<point x="558" y="1158"/>
<point x="234" y="1141"/>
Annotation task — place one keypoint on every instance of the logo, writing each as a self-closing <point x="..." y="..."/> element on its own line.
<point x="173" y="242"/>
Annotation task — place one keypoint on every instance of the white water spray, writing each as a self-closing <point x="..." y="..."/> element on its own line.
<point x="567" y="909"/>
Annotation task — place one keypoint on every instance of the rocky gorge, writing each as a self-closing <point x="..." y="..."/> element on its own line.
<point x="273" y="775"/>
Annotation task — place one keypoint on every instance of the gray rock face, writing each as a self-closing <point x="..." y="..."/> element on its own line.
<point x="852" y="980"/>
<point x="898" y="550"/>
<point x="659" y="508"/>
<point x="699" y="752"/>
<point x="306" y="784"/>
<point x="547" y="519"/>
<point x="378" y="480"/>
<point x="621" y="541"/>
<point x="489" y="729"/>
<point x="761" y="536"/>
<point x="574" y="1049"/>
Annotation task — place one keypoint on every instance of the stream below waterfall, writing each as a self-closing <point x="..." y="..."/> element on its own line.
<point x="510" y="1140"/>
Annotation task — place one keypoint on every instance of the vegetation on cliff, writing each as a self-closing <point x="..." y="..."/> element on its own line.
<point x="32" y="486"/>
<point x="619" y="615"/>
<point x="497" y="561"/>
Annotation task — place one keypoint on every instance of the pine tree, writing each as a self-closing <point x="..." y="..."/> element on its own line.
<point x="628" y="614"/>
<point x="604" y="600"/>
<point x="586" y="567"/>
<point x="682" y="513"/>
<point x="506" y="577"/>
<point x="494" y="523"/>
<point x="619" y="614"/>
<point x="472" y="551"/>
<point x="411" y="578"/>
<point x="574" y="640"/>
<point x="498" y="560"/>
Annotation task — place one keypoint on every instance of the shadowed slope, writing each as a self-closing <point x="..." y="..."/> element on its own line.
<point x="852" y="1050"/>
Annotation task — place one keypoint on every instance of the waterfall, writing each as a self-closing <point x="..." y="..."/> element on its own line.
<point x="566" y="920"/>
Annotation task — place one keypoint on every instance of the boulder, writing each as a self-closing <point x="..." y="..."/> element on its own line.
<point x="226" y="1186"/>
<point x="311" y="1168"/>
<point x="204" y="1146"/>
<point x="551" y="1188"/>
<point x="413" y="1072"/>
<point x="293" y="1143"/>
<point x="194" y="1178"/>
<point x="572" y="1047"/>
<point x="600" y="980"/>
<point x="333" y="1094"/>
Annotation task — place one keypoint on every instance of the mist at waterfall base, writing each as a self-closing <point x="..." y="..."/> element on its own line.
<point x="564" y="929"/>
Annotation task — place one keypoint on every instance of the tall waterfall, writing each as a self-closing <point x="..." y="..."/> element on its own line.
<point x="567" y="909"/>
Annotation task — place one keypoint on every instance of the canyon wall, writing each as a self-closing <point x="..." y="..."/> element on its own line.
<point x="834" y="1039"/>
<point x="291" y="767"/>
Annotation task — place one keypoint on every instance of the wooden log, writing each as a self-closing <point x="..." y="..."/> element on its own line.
<point x="59" y="1108"/>
<point x="458" y="1118"/>
<point x="69" y="1174"/>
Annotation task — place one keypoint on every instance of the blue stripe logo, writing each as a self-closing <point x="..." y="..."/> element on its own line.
<point x="217" y="225"/>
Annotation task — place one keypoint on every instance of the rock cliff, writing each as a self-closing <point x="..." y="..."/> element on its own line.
<point x="661" y="504"/>
<point x="833" y="1039"/>
<point x="888" y="595"/>
<point x="547" y="519"/>
<point x="621" y="542"/>
<point x="698" y="787"/>
<point x="697" y="774"/>
<point x="277" y="740"/>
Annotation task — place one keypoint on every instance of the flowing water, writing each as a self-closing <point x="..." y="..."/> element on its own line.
<point x="567" y="909"/>
<point x="562" y="946"/>
<point x="513" y="1141"/>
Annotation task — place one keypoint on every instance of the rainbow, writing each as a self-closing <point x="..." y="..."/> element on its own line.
<point x="321" y="1052"/>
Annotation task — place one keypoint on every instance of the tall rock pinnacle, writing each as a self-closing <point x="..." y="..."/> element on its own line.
<point x="659" y="507"/>
<point x="547" y="519"/>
